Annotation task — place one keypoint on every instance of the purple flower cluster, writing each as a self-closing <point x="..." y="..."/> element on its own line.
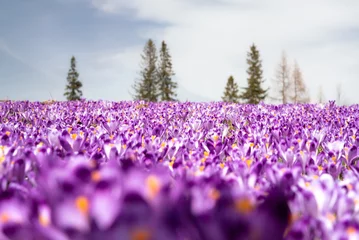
<point x="146" y="171"/>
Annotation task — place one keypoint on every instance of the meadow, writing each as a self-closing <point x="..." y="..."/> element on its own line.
<point x="151" y="171"/>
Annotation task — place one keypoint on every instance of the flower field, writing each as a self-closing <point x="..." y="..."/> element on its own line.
<point x="196" y="171"/>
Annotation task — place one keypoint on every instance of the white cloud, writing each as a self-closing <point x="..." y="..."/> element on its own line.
<point x="209" y="39"/>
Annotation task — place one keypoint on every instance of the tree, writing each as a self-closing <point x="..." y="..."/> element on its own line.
<point x="254" y="93"/>
<point x="320" y="95"/>
<point x="231" y="91"/>
<point x="339" y="93"/>
<point x="165" y="83"/>
<point x="72" y="90"/>
<point x="146" y="87"/>
<point x="300" y="94"/>
<point x="282" y="81"/>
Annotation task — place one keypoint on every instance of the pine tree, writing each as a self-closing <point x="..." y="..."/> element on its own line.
<point x="165" y="83"/>
<point x="231" y="91"/>
<point x="254" y="93"/>
<point x="72" y="90"/>
<point x="300" y="94"/>
<point x="146" y="87"/>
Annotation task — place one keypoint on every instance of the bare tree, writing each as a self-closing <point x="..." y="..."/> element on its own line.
<point x="282" y="81"/>
<point x="300" y="94"/>
<point x="320" y="94"/>
<point x="339" y="93"/>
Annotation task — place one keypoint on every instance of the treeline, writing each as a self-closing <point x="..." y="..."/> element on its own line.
<point x="155" y="82"/>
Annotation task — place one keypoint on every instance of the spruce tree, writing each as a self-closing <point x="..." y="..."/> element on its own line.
<point x="146" y="87"/>
<point x="231" y="91"/>
<point x="254" y="93"/>
<point x="72" y="90"/>
<point x="166" y="85"/>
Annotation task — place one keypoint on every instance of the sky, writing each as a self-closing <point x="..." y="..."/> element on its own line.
<point x="207" y="39"/>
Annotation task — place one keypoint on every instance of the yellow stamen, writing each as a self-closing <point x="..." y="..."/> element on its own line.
<point x="331" y="217"/>
<point x="320" y="168"/>
<point x="82" y="204"/>
<point x="249" y="162"/>
<point x="214" y="194"/>
<point x="206" y="154"/>
<point x="243" y="205"/>
<point x="4" y="218"/>
<point x="251" y="144"/>
<point x="203" y="160"/>
<point x="293" y="217"/>
<point x="221" y="165"/>
<point x="69" y="130"/>
<point x="44" y="220"/>
<point x="163" y="145"/>
<point x="201" y="168"/>
<point x="95" y="176"/>
<point x="7" y="133"/>
<point x="153" y="185"/>
<point x="153" y="137"/>
<point x="234" y="145"/>
<point x="350" y="187"/>
<point x="351" y="230"/>
<point x="140" y="234"/>
<point x="215" y="137"/>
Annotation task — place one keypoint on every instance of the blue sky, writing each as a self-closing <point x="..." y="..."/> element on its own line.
<point x="208" y="41"/>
